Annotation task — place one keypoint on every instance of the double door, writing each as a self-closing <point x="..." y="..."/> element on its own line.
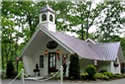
<point x="52" y="62"/>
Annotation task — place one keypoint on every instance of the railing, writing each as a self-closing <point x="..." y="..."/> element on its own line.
<point x="23" y="78"/>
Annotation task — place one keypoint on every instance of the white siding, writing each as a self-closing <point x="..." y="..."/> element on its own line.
<point x="28" y="65"/>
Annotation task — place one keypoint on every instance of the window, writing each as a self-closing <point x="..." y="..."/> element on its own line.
<point x="51" y="18"/>
<point x="52" y="59"/>
<point x="41" y="61"/>
<point x="44" y="17"/>
<point x="52" y="45"/>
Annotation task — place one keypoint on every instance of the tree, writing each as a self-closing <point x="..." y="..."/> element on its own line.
<point x="10" y="72"/>
<point x="74" y="67"/>
<point x="10" y="35"/>
<point x="62" y="9"/>
<point x="83" y="14"/>
<point x="7" y="40"/>
<point x="111" y="24"/>
<point x="91" y="70"/>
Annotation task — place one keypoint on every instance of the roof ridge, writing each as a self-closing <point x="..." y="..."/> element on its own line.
<point x="108" y="42"/>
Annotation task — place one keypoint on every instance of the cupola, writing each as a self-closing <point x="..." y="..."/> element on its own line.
<point x="47" y="18"/>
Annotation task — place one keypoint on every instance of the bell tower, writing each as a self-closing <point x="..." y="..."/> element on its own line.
<point x="47" y="18"/>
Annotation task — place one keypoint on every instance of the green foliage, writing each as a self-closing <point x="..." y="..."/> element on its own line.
<point x="91" y="70"/>
<point x="123" y="75"/>
<point x="84" y="15"/>
<point x="84" y="75"/>
<point x="109" y="74"/>
<point x="122" y="40"/>
<point x="111" y="24"/>
<point x="20" y="64"/>
<point x="101" y="76"/>
<point x="116" y="76"/>
<point x="74" y="68"/>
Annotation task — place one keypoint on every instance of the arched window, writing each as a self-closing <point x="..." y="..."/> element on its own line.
<point x="44" y="17"/>
<point x="51" y="18"/>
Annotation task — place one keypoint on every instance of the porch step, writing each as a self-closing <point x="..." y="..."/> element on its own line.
<point x="33" y="78"/>
<point x="39" y="77"/>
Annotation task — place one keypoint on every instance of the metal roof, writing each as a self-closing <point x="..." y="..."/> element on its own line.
<point x="106" y="51"/>
<point x="47" y="8"/>
<point x="85" y="49"/>
<point x="98" y="51"/>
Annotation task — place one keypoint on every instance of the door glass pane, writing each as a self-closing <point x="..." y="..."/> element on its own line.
<point x="52" y="60"/>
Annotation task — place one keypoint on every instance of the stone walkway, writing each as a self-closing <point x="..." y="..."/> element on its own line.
<point x="119" y="81"/>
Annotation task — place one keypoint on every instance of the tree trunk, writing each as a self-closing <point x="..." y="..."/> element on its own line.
<point x="87" y="26"/>
<point x="2" y="57"/>
<point x="82" y="32"/>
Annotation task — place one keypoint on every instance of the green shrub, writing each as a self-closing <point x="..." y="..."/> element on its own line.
<point x="101" y="76"/>
<point x="117" y="76"/>
<point x="84" y="75"/>
<point x="123" y="75"/>
<point x="74" y="67"/>
<point x="91" y="70"/>
<point x="10" y="72"/>
<point x="109" y="74"/>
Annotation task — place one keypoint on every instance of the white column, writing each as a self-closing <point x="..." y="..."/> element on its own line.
<point x="61" y="70"/>
<point x="61" y="74"/>
<point x="67" y="68"/>
<point x="23" y="76"/>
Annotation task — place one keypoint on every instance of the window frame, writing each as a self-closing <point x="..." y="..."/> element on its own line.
<point x="51" y="17"/>
<point x="44" y="17"/>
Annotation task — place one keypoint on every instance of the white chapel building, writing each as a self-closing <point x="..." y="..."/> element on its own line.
<point x="48" y="47"/>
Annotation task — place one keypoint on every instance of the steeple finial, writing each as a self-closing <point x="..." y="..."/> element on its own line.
<point x="47" y="8"/>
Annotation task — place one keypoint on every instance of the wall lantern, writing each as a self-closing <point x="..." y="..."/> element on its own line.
<point x="46" y="52"/>
<point x="116" y="64"/>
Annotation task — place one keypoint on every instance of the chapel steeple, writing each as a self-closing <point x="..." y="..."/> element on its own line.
<point x="47" y="18"/>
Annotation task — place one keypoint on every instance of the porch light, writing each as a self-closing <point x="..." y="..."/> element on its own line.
<point x="45" y="52"/>
<point x="116" y="63"/>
